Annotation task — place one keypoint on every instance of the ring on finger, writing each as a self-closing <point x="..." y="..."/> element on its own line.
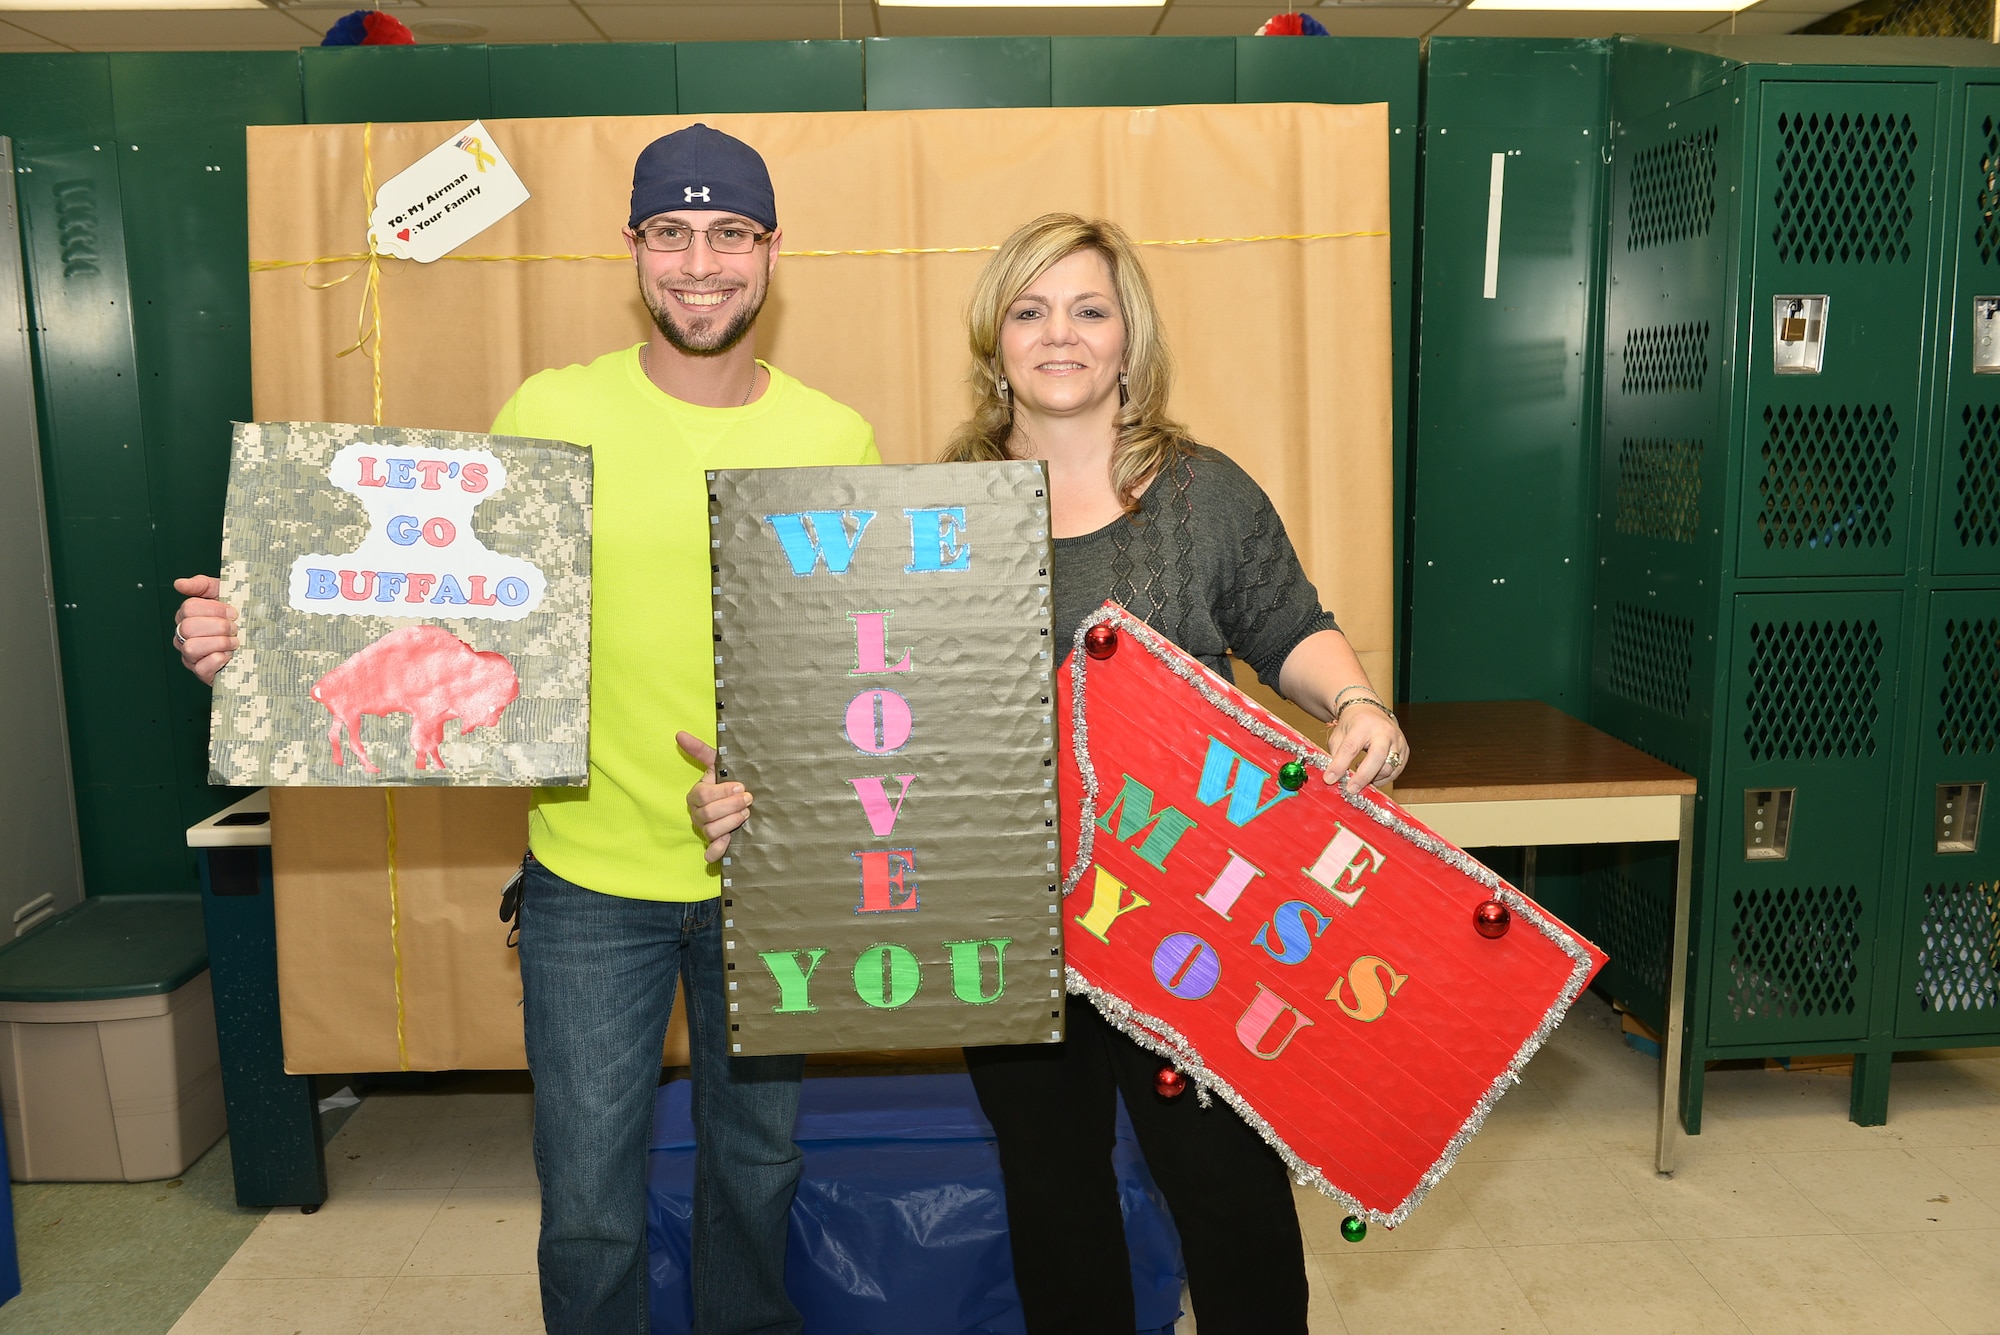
<point x="1393" y="760"/>
<point x="180" y="640"/>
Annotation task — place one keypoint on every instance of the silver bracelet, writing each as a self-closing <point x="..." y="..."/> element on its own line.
<point x="1365" y="700"/>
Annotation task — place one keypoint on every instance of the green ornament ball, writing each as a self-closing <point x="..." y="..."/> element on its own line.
<point x="1352" y="1229"/>
<point x="1291" y="776"/>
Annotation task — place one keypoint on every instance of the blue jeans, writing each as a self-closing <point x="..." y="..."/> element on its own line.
<point x="597" y="979"/>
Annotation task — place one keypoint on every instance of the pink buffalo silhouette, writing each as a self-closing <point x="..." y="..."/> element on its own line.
<point x="423" y="671"/>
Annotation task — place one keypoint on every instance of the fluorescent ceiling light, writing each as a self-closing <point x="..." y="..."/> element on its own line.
<point x="158" y="6"/>
<point x="1628" y="6"/>
<point x="1021" y="4"/>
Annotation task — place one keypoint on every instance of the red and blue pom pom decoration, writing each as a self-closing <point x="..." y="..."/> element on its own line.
<point x="368" y="27"/>
<point x="1292" y="25"/>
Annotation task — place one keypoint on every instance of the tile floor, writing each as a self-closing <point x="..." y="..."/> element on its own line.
<point x="122" y="1258"/>
<point x="1785" y="1217"/>
<point x="429" y="1225"/>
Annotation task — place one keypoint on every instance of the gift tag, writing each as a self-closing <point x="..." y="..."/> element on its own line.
<point x="445" y="198"/>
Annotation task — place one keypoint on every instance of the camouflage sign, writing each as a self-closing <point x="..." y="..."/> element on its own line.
<point x="883" y="671"/>
<point x="415" y="609"/>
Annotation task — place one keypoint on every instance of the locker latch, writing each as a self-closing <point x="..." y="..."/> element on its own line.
<point x="1767" y="824"/>
<point x="1798" y="335"/>
<point x="1986" y="335"/>
<point x="1956" y="822"/>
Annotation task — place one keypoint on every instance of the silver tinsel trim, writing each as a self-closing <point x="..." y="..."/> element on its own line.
<point x="1156" y="1035"/>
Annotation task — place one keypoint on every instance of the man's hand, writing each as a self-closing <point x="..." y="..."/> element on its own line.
<point x="718" y="809"/>
<point x="204" y="627"/>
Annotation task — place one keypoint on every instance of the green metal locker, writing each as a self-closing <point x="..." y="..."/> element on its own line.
<point x="1948" y="969"/>
<point x="1797" y="458"/>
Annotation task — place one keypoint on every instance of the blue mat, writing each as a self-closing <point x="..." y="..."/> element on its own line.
<point x="900" y="1225"/>
<point x="10" y="1266"/>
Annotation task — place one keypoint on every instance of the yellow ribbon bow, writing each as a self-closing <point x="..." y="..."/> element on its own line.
<point x="480" y="156"/>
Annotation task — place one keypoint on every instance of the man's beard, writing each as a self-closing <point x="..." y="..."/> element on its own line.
<point x="699" y="336"/>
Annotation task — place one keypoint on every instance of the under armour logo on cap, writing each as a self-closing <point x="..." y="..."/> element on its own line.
<point x="702" y="167"/>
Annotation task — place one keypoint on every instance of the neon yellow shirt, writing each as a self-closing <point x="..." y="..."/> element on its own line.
<point x="651" y="660"/>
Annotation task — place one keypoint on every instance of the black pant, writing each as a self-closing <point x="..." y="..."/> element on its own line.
<point x="1052" y="1107"/>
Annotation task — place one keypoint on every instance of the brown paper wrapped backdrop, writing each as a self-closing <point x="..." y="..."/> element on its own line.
<point x="1282" y="349"/>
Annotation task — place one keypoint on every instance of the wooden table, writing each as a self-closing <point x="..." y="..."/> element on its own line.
<point x="1518" y="774"/>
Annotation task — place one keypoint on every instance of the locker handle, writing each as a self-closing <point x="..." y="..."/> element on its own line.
<point x="1767" y="824"/>
<point x="1955" y="820"/>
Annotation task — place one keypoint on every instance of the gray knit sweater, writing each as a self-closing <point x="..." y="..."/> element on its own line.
<point x="1205" y="562"/>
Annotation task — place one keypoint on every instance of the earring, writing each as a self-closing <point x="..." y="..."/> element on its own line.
<point x="1124" y="394"/>
<point x="1006" y="392"/>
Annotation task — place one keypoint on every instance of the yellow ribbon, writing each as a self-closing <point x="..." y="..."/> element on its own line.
<point x="396" y="927"/>
<point x="368" y="325"/>
<point x="268" y="266"/>
<point x="480" y="157"/>
<point x="1182" y="241"/>
<point x="368" y="329"/>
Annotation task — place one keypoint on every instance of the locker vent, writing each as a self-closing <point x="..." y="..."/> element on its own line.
<point x="1971" y="694"/>
<point x="1829" y="475"/>
<point x="1666" y="359"/>
<point x="1844" y="188"/>
<point x="1958" y="948"/>
<point x="1986" y="235"/>
<point x="1978" y="517"/>
<point x="1636" y="927"/>
<point x="1795" y="952"/>
<point x="1652" y="658"/>
<point x="1673" y="191"/>
<point x="1812" y="689"/>
<point x="1659" y="489"/>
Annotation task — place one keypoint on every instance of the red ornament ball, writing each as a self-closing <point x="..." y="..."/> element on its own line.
<point x="1169" y="1083"/>
<point x="1492" y="919"/>
<point x="1100" y="641"/>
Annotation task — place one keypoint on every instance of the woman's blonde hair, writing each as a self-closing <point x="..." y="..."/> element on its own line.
<point x="1148" y="440"/>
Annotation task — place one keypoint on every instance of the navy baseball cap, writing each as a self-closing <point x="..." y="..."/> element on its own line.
<point x="700" y="168"/>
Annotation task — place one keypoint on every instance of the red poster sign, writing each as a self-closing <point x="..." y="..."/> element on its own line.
<point x="1345" y="978"/>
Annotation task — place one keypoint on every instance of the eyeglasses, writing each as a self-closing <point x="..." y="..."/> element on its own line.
<point x="723" y="238"/>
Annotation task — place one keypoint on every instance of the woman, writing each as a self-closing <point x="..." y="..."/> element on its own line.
<point x="1069" y="366"/>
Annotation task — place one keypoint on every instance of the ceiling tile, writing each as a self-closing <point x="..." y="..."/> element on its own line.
<point x="1566" y="23"/>
<point x="1085" y="21"/>
<point x="1236" y="21"/>
<point x="179" y="30"/>
<point x="1808" y="10"/>
<point x="725" y="23"/>
<point x="1210" y="21"/>
<point x="411" y="10"/>
<point x="1756" y="24"/>
<point x="20" y="39"/>
<point x="505" y="23"/>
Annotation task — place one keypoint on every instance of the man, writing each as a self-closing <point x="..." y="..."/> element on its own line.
<point x="617" y="898"/>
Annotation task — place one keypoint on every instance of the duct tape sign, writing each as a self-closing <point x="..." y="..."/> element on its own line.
<point x="1359" y="990"/>
<point x="883" y="686"/>
<point x="380" y="572"/>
